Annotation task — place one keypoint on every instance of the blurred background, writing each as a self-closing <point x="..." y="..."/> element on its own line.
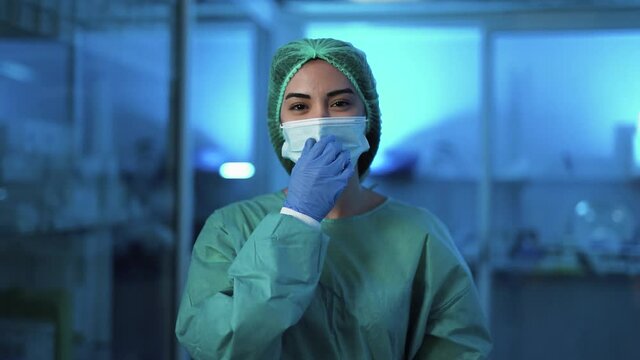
<point x="125" y="123"/>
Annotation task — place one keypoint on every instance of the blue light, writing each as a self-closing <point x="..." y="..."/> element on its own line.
<point x="16" y="71"/>
<point x="237" y="170"/>
<point x="582" y="208"/>
<point x="636" y="147"/>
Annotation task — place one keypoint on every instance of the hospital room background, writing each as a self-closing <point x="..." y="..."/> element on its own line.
<point x="124" y="124"/>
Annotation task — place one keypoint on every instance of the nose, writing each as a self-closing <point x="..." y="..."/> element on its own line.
<point x="320" y="110"/>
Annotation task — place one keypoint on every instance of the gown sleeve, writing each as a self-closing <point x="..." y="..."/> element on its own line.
<point x="241" y="296"/>
<point x="449" y="322"/>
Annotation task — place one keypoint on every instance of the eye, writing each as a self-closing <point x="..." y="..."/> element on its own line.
<point x="340" y="103"/>
<point x="297" y="107"/>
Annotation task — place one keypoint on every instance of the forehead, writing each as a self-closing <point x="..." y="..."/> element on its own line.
<point x="318" y="75"/>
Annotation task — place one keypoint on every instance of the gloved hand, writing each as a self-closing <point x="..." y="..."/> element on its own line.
<point x="319" y="177"/>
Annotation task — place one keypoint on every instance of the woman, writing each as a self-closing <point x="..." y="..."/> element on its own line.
<point x="327" y="269"/>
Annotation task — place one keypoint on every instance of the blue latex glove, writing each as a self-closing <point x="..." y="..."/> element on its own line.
<point x="319" y="177"/>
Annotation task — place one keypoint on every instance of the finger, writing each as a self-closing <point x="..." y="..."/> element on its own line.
<point x="348" y="169"/>
<point x="347" y="173"/>
<point x="346" y="155"/>
<point x="332" y="151"/>
<point x="321" y="145"/>
<point x="308" y="144"/>
<point x="307" y="149"/>
<point x="342" y="160"/>
<point x="335" y="167"/>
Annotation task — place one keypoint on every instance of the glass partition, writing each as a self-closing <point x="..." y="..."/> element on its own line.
<point x="565" y="206"/>
<point x="428" y="81"/>
<point x="86" y="198"/>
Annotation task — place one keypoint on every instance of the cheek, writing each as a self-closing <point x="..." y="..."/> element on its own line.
<point x="362" y="110"/>
<point x="286" y="116"/>
<point x="283" y="115"/>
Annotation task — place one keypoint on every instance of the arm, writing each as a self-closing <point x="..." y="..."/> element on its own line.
<point x="238" y="306"/>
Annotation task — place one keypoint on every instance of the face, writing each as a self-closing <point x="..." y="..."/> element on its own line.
<point x="319" y="90"/>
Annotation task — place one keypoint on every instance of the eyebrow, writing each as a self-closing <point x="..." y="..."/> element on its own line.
<point x="329" y="94"/>
<point x="338" y="92"/>
<point x="298" y="95"/>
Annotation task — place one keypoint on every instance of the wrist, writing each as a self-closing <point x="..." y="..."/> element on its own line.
<point x="301" y="216"/>
<point x="302" y="211"/>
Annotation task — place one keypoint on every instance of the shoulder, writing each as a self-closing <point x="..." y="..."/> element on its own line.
<point x="416" y="217"/>
<point x="433" y="232"/>
<point x="256" y="206"/>
<point x="441" y="267"/>
<point x="243" y="216"/>
<point x="228" y="227"/>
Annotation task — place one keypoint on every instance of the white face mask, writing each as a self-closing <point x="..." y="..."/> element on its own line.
<point x="349" y="130"/>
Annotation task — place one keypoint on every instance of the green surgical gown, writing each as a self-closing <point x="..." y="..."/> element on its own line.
<point x="386" y="284"/>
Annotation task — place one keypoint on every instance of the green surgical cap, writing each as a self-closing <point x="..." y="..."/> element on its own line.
<point x="351" y="61"/>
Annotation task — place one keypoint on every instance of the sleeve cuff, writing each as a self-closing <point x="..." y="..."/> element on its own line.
<point x="302" y="217"/>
